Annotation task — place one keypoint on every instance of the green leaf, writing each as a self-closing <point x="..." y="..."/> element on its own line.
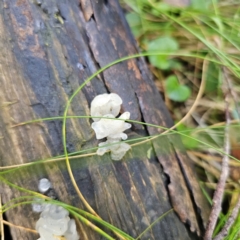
<point x="160" y="61"/>
<point x="134" y="22"/>
<point x="200" y="5"/>
<point x="212" y="79"/>
<point x="189" y="144"/>
<point x="133" y="19"/>
<point x="163" y="44"/>
<point x="160" y="6"/>
<point x="219" y="23"/>
<point x="175" y="91"/>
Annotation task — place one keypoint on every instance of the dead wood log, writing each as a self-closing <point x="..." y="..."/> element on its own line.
<point x="48" y="48"/>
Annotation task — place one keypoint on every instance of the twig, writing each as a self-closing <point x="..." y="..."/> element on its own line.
<point x="232" y="92"/>
<point x="236" y="209"/>
<point x="229" y="222"/>
<point x="218" y="194"/>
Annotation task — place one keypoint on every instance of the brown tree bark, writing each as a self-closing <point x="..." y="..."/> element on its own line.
<point x="48" y="48"/>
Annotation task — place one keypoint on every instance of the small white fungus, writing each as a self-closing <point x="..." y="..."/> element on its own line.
<point x="71" y="232"/>
<point x="37" y="205"/>
<point x="105" y="104"/>
<point x="54" y="222"/>
<point x="112" y="128"/>
<point x="118" y="149"/>
<point x="108" y="106"/>
<point x="44" y="185"/>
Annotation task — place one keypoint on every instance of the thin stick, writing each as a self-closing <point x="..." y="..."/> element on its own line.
<point x="218" y="194"/>
<point x="230" y="221"/>
<point x="236" y="209"/>
<point x="232" y="92"/>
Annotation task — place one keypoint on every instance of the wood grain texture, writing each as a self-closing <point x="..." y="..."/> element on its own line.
<point x="48" y="48"/>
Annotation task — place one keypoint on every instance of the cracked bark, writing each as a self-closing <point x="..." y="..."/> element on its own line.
<point x="48" y="48"/>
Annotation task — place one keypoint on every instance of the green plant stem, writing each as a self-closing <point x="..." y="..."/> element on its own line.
<point x="152" y="224"/>
<point x="173" y="132"/>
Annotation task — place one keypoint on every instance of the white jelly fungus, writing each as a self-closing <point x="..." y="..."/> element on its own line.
<point x="54" y="222"/>
<point x="37" y="205"/>
<point x="44" y="185"/>
<point x="117" y="148"/>
<point x="108" y="106"/>
<point x="111" y="128"/>
<point x="105" y="104"/>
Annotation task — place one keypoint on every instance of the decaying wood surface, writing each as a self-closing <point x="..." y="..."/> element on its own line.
<point x="48" y="48"/>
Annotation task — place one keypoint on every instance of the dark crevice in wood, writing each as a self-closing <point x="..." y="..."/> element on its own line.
<point x="85" y="7"/>
<point x="95" y="60"/>
<point x="166" y="178"/>
<point x="195" y="207"/>
<point x="61" y="11"/>
<point x="141" y="120"/>
<point x="38" y="2"/>
<point x="105" y="2"/>
<point x="7" y="232"/>
<point x="93" y="18"/>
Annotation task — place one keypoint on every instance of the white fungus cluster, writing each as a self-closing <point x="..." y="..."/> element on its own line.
<point x="108" y="106"/>
<point x="54" y="222"/>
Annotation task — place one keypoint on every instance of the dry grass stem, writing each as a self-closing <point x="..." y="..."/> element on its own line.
<point x="218" y="194"/>
<point x="19" y="227"/>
